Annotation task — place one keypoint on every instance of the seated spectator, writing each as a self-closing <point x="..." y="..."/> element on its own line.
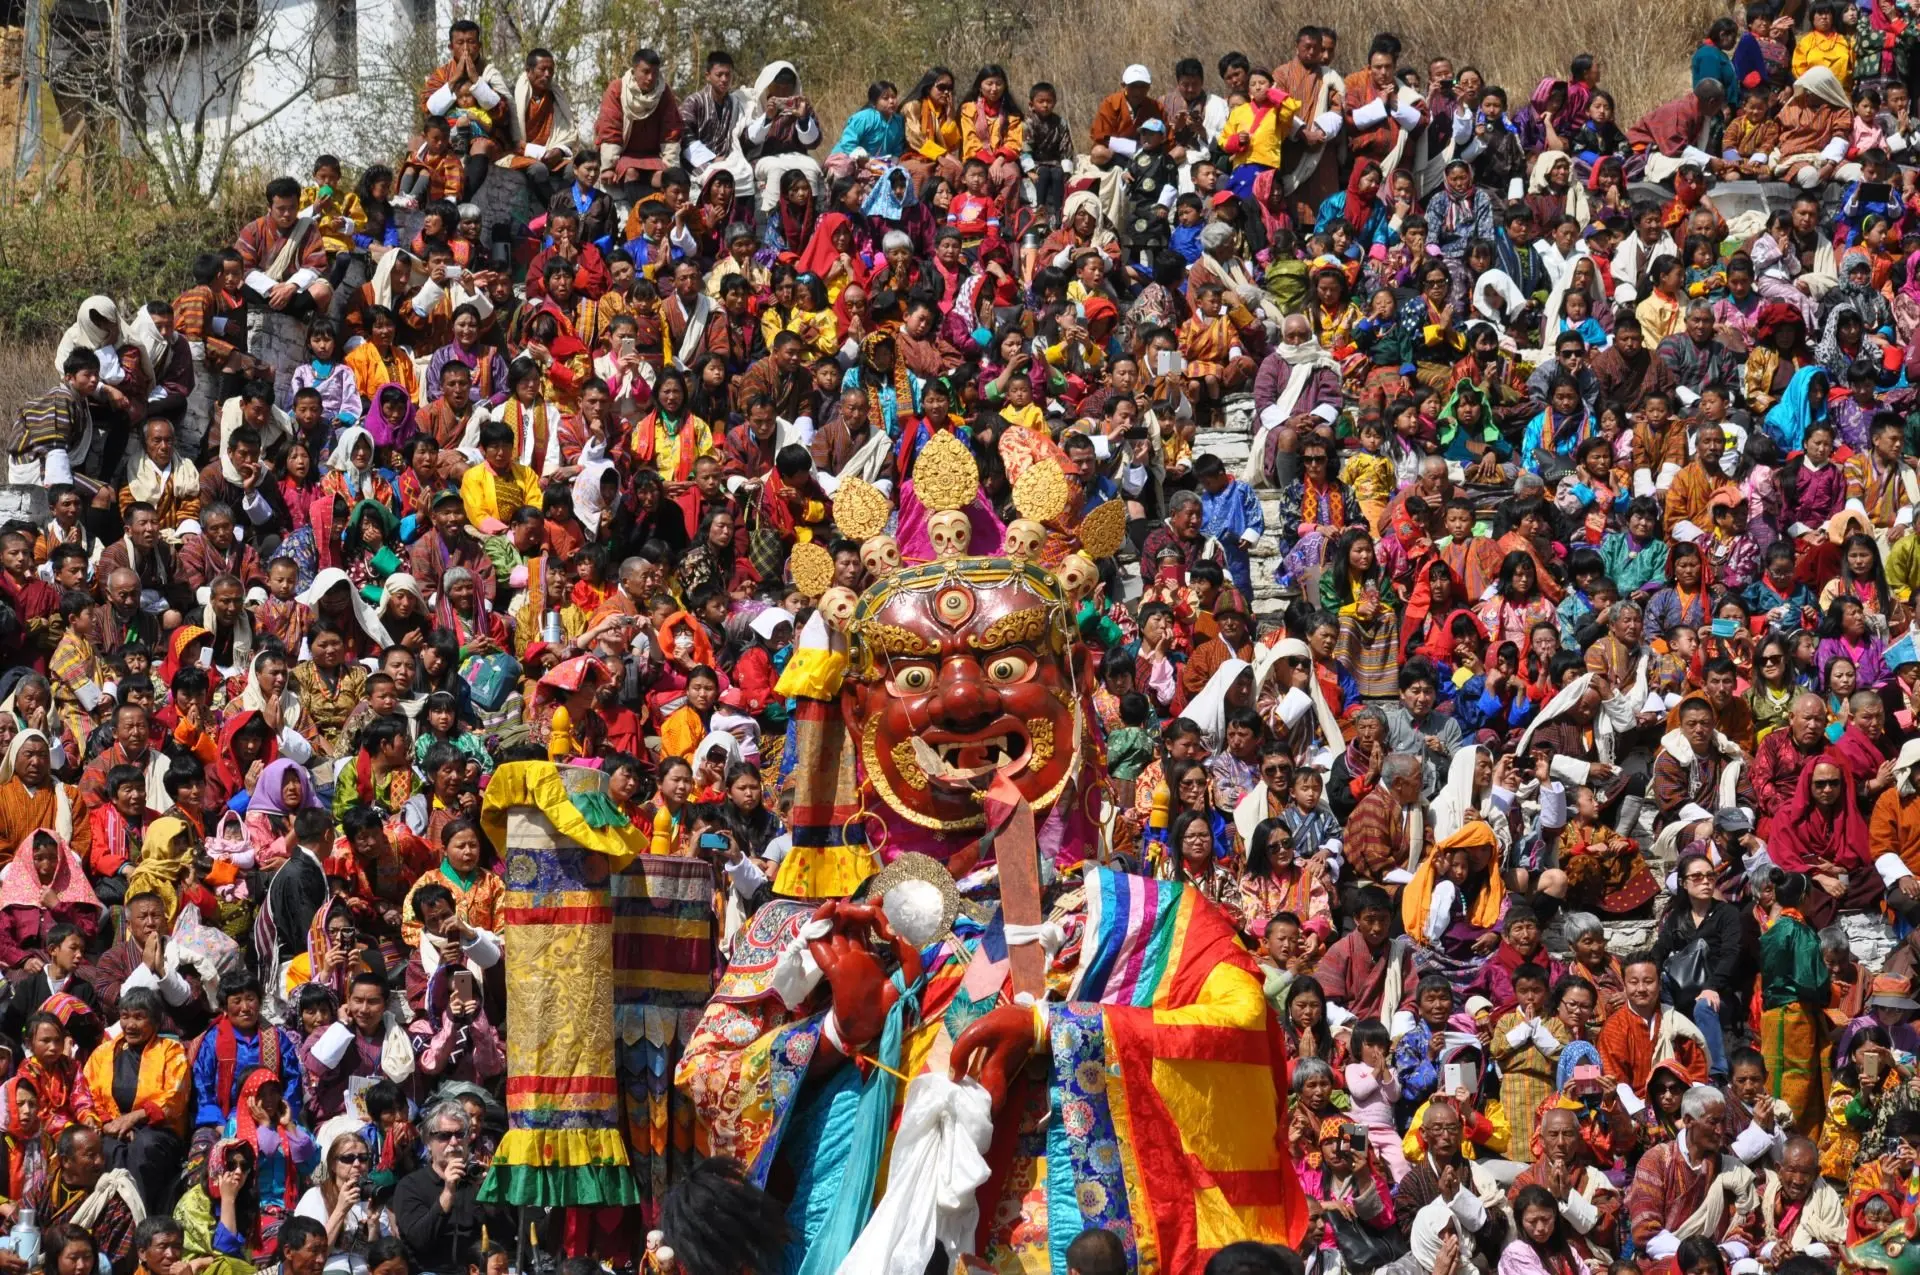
<point x="139" y="1088"/>
<point x="43" y="889"/>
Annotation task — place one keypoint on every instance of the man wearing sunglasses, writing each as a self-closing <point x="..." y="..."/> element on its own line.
<point x="434" y="1204"/>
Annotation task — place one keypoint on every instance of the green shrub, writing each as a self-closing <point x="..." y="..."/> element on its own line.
<point x="56" y="253"/>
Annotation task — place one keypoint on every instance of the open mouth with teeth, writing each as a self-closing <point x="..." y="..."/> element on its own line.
<point x="952" y="760"/>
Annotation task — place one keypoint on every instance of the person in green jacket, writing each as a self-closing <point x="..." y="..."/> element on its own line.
<point x="1637" y="557"/>
<point x="1794" y="986"/>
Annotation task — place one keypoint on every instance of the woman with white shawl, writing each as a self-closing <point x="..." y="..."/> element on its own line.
<point x="1473" y="791"/>
<point x="156" y="352"/>
<point x="1297" y="712"/>
<point x="402" y="583"/>
<point x="1230" y="688"/>
<point x="273" y="685"/>
<point x="1498" y="300"/>
<point x="95" y="328"/>
<point x="1540" y="190"/>
<point x="1098" y="231"/>
<point x="779" y="129"/>
<point x="356" y="478"/>
<point x="1554" y="318"/>
<point x="66" y="799"/>
<point x="1440" y="1221"/>
<point x="718" y="753"/>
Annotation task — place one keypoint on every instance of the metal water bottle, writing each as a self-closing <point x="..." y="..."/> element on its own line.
<point x="26" y="1236"/>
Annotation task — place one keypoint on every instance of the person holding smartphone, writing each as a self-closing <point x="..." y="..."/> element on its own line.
<point x="722" y="847"/>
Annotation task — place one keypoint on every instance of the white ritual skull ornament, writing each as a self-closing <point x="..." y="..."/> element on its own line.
<point x="1024" y="538"/>
<point x="951" y="531"/>
<point x="880" y="555"/>
<point x="837" y="605"/>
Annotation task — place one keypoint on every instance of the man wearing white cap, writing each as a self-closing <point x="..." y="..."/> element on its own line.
<point x="1116" y="136"/>
<point x="1116" y="125"/>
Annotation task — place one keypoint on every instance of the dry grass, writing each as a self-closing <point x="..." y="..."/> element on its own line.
<point x="26" y="370"/>
<point x="1082" y="45"/>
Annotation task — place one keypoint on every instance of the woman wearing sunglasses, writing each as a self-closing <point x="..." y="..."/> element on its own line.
<point x="343" y="1203"/>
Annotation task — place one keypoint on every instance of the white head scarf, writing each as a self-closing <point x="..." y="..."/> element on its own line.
<point x="145" y="334"/>
<point x="1822" y="83"/>
<point x="588" y="504"/>
<point x="1429" y="1228"/>
<point x="768" y="620"/>
<point x="1088" y="201"/>
<point x="1294" y="649"/>
<point x="1576" y="193"/>
<point x="1557" y="301"/>
<point x="1208" y="709"/>
<point x="1501" y="284"/>
<point x="718" y="739"/>
<point x="1455" y="800"/>
<point x="340" y="459"/>
<point x="85" y="333"/>
<point x="768" y="74"/>
<point x="62" y="804"/>
<point x="253" y="699"/>
<point x="1903" y="765"/>
<point x="363" y="613"/>
<point x="401" y="582"/>
<point x="13" y="750"/>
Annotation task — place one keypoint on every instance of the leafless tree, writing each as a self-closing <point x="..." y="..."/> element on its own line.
<point x="186" y="82"/>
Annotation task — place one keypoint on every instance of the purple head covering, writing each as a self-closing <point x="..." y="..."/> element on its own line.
<point x="266" y="789"/>
<point x="380" y="429"/>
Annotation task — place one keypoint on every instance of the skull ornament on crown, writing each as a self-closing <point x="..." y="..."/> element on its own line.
<point x="837" y="605"/>
<point x="880" y="555"/>
<point x="1077" y="574"/>
<point x="1024" y="538"/>
<point x="950" y="531"/>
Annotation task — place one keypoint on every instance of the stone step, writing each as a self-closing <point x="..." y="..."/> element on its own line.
<point x="280" y="341"/>
<point x="21" y="502"/>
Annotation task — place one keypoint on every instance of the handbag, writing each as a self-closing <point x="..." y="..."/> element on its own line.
<point x="1685" y="973"/>
<point x="490" y="678"/>
<point x="766" y="548"/>
<point x="1364" y="1247"/>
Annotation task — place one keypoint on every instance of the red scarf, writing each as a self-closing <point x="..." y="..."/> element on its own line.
<point x="400" y="782"/>
<point x="226" y="1055"/>
<point x="248" y="1132"/>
